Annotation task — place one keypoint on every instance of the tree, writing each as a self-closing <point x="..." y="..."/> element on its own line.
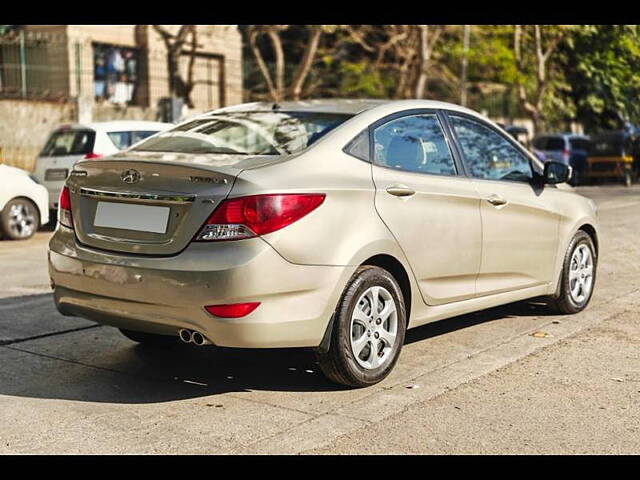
<point x="602" y="68"/>
<point x="534" y="47"/>
<point x="276" y="81"/>
<point x="428" y="36"/>
<point x="175" y="44"/>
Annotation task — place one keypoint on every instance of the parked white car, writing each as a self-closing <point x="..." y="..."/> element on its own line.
<point x="23" y="204"/>
<point x="70" y="143"/>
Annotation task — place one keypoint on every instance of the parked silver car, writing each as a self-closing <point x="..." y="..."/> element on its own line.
<point x="328" y="224"/>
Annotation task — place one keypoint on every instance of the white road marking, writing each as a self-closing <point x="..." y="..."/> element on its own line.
<point x="613" y="205"/>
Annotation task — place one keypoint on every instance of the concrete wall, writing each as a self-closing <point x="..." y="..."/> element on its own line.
<point x="219" y="63"/>
<point x="25" y="126"/>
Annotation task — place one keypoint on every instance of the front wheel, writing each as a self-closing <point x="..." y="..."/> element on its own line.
<point x="19" y="220"/>
<point x="578" y="275"/>
<point x="368" y="330"/>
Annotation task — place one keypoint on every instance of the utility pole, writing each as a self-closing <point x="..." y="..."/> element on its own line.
<point x="465" y="62"/>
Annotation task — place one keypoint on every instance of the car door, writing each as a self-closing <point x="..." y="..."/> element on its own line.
<point x="519" y="219"/>
<point x="433" y="212"/>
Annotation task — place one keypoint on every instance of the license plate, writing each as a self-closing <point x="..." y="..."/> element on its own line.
<point x="127" y="216"/>
<point x="56" y="174"/>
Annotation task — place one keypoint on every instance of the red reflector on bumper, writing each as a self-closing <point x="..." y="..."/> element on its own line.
<point x="235" y="310"/>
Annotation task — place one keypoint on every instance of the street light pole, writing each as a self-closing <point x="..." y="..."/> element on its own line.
<point x="465" y="61"/>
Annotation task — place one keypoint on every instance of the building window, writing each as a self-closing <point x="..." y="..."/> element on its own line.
<point x="115" y="73"/>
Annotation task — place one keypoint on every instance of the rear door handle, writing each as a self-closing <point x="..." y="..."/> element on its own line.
<point x="400" y="190"/>
<point x="496" y="200"/>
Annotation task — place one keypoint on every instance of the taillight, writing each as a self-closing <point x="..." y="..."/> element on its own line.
<point x="247" y="217"/>
<point x="91" y="155"/>
<point x="235" y="310"/>
<point x="64" y="208"/>
<point x="565" y="155"/>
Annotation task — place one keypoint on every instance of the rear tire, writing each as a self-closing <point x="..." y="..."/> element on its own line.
<point x="150" y="339"/>
<point x="368" y="330"/>
<point x="580" y="254"/>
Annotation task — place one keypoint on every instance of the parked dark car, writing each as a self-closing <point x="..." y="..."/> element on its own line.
<point x="568" y="148"/>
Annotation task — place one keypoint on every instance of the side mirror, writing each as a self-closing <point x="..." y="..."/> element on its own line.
<point x="556" y="172"/>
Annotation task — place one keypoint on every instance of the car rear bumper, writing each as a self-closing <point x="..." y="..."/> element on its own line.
<point x="165" y="294"/>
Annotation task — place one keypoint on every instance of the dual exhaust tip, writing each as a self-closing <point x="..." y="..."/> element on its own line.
<point x="191" y="336"/>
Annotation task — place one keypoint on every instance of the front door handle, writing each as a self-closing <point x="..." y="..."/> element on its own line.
<point x="496" y="200"/>
<point x="400" y="190"/>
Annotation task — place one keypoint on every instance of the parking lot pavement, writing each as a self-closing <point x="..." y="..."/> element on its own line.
<point x="76" y="387"/>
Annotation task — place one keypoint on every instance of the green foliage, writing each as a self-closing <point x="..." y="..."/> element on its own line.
<point x="603" y="68"/>
<point x="358" y="79"/>
<point x="593" y="76"/>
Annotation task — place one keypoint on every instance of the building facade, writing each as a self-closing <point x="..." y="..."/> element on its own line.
<point x="127" y="65"/>
<point x="108" y="72"/>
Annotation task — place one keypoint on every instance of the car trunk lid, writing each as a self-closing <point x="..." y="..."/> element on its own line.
<point x="148" y="205"/>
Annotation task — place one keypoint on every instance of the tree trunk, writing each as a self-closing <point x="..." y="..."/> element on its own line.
<point x="305" y="64"/>
<point x="279" y="55"/>
<point x="424" y="56"/>
<point x="253" y="36"/>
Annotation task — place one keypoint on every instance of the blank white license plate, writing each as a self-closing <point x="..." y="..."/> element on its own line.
<point x="56" y="174"/>
<point x="141" y="218"/>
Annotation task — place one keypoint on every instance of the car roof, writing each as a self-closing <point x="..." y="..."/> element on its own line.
<point x="119" y="125"/>
<point x="339" y="105"/>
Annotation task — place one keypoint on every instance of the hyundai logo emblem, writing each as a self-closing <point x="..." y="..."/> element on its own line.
<point x="130" y="176"/>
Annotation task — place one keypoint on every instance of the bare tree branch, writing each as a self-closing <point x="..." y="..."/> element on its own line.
<point x="253" y="35"/>
<point x="305" y="64"/>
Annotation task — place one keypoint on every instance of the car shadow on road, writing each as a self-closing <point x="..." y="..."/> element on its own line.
<point x="83" y="366"/>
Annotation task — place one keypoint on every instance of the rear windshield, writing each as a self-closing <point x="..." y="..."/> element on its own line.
<point x="549" y="143"/>
<point x="123" y="140"/>
<point x="69" y="142"/>
<point x="579" y="143"/>
<point x="247" y="133"/>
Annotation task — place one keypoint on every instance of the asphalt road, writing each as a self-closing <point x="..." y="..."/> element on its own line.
<point x="479" y="383"/>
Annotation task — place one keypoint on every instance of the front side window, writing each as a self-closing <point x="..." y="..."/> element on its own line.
<point x="415" y="144"/>
<point x="489" y="155"/>
<point x="246" y="133"/>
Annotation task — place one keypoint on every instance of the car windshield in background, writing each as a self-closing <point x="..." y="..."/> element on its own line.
<point x="579" y="143"/>
<point x="69" y="142"/>
<point x="608" y="145"/>
<point x="124" y="140"/>
<point x="246" y="133"/>
<point x="549" y="143"/>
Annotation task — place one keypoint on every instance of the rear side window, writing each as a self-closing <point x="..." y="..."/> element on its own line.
<point x="123" y="140"/>
<point x="359" y="146"/>
<point x="414" y="144"/>
<point x="69" y="142"/>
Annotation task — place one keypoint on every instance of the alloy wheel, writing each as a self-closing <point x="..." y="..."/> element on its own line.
<point x="374" y="328"/>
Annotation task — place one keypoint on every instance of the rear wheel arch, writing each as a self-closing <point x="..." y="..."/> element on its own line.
<point x="395" y="268"/>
